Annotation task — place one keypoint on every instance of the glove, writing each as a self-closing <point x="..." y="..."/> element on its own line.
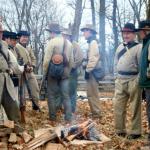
<point x="86" y="76"/>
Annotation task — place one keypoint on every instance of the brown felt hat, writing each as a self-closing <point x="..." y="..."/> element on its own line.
<point x="89" y="27"/>
<point x="144" y="25"/>
<point x="53" y="27"/>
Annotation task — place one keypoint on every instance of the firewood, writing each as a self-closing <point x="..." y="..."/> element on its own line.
<point x="39" y="132"/>
<point x="82" y="131"/>
<point x="8" y="124"/>
<point x="27" y="137"/>
<point x="13" y="138"/>
<point x="54" y="146"/>
<point x="3" y="146"/>
<point x="36" y="142"/>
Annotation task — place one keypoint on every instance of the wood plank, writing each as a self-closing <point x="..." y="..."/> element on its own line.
<point x="54" y="146"/>
<point x="41" y="140"/>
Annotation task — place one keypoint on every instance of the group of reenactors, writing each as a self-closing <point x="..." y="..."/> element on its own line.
<point x="132" y="77"/>
<point x="18" y="63"/>
<point x="131" y="72"/>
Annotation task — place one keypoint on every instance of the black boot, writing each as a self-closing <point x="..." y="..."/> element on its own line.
<point x="133" y="136"/>
<point x="121" y="134"/>
<point x="35" y="107"/>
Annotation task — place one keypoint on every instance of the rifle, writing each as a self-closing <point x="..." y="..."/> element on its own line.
<point x="43" y="86"/>
<point x="23" y="79"/>
<point x="22" y="102"/>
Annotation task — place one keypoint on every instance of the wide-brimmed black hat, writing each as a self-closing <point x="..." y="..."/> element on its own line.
<point x="6" y="34"/>
<point x="129" y="27"/>
<point x="23" y="33"/>
<point x="144" y="25"/>
<point x="54" y="27"/>
<point x="13" y="35"/>
<point x="89" y="27"/>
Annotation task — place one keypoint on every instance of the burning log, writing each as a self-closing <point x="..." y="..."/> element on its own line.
<point x="84" y="131"/>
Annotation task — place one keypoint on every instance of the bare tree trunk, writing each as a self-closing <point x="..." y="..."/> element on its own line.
<point x="115" y="32"/>
<point x="77" y="19"/>
<point x="102" y="26"/>
<point x="136" y="8"/>
<point x="114" y="22"/>
<point x="20" y="14"/>
<point x="93" y="13"/>
<point x="148" y="10"/>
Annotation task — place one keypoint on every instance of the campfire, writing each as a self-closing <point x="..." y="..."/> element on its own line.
<point x="53" y="137"/>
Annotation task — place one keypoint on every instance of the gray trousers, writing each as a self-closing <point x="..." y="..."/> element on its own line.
<point x="127" y="91"/>
<point x="93" y="96"/>
<point x="55" y="88"/>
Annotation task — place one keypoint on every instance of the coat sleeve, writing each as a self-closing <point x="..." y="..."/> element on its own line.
<point x="93" y="56"/>
<point x="17" y="69"/>
<point x="47" y="56"/>
<point x="139" y="53"/>
<point x="116" y="62"/>
<point x="32" y="56"/>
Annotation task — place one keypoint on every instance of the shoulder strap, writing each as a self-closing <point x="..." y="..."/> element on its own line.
<point x="124" y="50"/>
<point x="64" y="46"/>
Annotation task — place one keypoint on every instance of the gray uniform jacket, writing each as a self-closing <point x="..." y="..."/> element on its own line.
<point x="127" y="66"/>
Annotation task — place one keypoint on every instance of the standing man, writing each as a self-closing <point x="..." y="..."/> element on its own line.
<point x="28" y="78"/>
<point x="144" y="81"/>
<point x="12" y="47"/>
<point x="78" y="57"/>
<point x="126" y="70"/>
<point x="93" y="55"/>
<point x="58" y="51"/>
<point x="7" y="92"/>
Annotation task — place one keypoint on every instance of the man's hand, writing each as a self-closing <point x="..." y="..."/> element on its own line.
<point x="10" y="71"/>
<point x="148" y="72"/>
<point x="86" y="76"/>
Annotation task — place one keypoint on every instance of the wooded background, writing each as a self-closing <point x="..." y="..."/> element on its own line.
<point x="107" y="16"/>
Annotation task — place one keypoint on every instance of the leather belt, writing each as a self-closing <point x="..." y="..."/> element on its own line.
<point x="4" y="71"/>
<point x="127" y="73"/>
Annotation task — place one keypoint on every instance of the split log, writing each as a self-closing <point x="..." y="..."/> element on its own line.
<point x="82" y="131"/>
<point x="13" y="138"/>
<point x="27" y="137"/>
<point x="39" y="132"/>
<point x="8" y="124"/>
<point x="54" y="146"/>
<point x="40" y="140"/>
<point x="3" y="146"/>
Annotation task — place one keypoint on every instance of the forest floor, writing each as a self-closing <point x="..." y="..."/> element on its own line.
<point x="105" y="125"/>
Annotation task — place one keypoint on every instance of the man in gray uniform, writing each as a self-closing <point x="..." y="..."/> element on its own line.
<point x="58" y="51"/>
<point x="7" y="92"/>
<point x="126" y="70"/>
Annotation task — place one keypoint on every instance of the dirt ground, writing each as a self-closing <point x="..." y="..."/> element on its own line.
<point x="105" y="125"/>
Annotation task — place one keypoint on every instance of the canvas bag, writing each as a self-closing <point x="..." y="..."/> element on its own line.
<point x="99" y="71"/>
<point x="56" y="68"/>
